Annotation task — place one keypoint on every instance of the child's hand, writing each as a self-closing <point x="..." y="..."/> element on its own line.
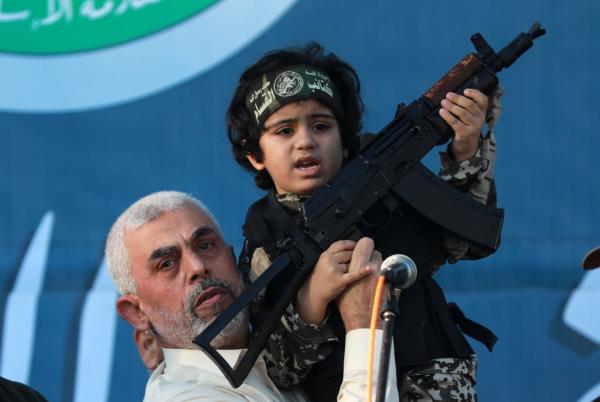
<point x="466" y="115"/>
<point x="329" y="278"/>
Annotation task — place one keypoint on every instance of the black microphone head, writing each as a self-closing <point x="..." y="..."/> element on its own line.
<point x="400" y="271"/>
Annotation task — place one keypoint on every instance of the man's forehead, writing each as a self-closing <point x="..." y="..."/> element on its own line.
<point x="180" y="223"/>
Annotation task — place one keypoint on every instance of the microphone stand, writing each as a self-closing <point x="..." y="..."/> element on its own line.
<point x="389" y="315"/>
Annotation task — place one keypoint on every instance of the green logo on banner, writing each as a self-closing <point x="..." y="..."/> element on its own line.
<point x="65" y="26"/>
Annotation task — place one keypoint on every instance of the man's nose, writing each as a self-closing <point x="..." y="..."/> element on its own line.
<point x="196" y="268"/>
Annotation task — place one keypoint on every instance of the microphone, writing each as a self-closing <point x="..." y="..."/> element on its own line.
<point x="399" y="271"/>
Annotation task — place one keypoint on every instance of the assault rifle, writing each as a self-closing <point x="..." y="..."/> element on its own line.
<point x="387" y="169"/>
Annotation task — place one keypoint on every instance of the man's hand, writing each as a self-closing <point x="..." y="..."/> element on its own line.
<point x="330" y="277"/>
<point x="466" y="115"/>
<point x="355" y="303"/>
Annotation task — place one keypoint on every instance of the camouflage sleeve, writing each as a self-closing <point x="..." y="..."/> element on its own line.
<point x="475" y="177"/>
<point x="461" y="175"/>
<point x="295" y="345"/>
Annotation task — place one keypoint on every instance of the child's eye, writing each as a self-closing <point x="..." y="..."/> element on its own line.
<point x="284" y="131"/>
<point x="322" y="126"/>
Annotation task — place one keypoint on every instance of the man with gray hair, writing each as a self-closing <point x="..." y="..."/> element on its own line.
<point x="175" y="273"/>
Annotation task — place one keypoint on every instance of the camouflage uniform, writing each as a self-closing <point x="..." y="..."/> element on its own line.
<point x="291" y="350"/>
<point x="475" y="176"/>
<point x="447" y="379"/>
<point x="295" y="346"/>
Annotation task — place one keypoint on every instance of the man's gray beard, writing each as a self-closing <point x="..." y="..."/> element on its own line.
<point x="180" y="331"/>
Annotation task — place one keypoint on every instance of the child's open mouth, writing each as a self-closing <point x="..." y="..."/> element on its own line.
<point x="308" y="165"/>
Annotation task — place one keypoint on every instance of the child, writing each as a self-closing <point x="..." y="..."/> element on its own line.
<point x="293" y="122"/>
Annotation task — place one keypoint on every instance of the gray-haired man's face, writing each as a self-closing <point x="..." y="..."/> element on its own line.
<point x="186" y="275"/>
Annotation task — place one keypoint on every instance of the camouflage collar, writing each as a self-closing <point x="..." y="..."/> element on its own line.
<point x="291" y="201"/>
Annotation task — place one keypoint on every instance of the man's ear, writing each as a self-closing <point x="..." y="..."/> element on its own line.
<point x="148" y="348"/>
<point x="254" y="162"/>
<point x="128" y="307"/>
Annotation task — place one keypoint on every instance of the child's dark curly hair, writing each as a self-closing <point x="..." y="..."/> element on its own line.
<point x="242" y="135"/>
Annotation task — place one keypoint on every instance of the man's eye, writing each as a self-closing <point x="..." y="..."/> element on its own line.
<point x="205" y="245"/>
<point x="166" y="264"/>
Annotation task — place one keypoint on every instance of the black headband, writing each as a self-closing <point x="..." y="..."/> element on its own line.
<point x="280" y="87"/>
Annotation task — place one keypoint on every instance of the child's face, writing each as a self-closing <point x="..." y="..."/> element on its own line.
<point x="301" y="147"/>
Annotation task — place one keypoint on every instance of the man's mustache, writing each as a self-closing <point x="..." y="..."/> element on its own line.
<point x="204" y="285"/>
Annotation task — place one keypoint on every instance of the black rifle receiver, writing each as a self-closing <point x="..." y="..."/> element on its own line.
<point x="378" y="173"/>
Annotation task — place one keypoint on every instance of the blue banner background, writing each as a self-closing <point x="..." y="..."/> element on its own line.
<point x="87" y="166"/>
